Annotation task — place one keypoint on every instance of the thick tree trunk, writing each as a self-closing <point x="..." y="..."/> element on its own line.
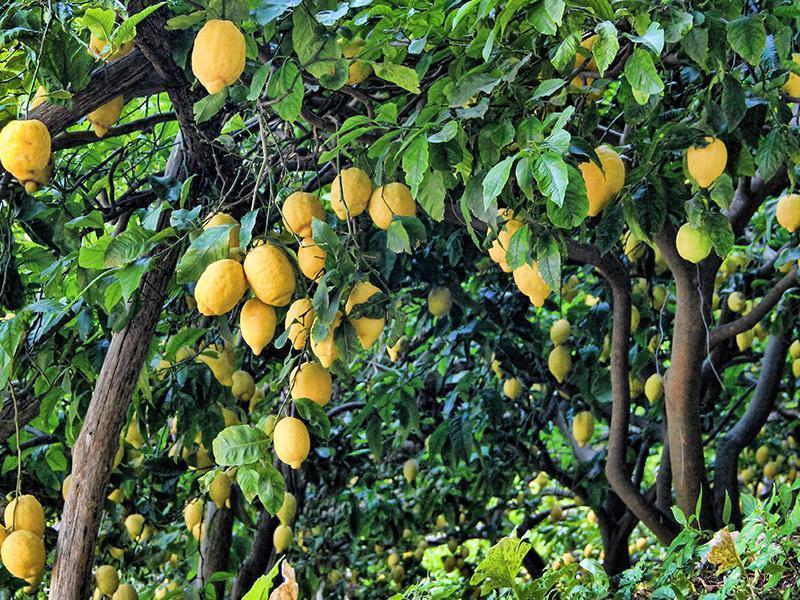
<point x="746" y="429"/>
<point x="258" y="558"/>
<point x="93" y="453"/>
<point x="215" y="548"/>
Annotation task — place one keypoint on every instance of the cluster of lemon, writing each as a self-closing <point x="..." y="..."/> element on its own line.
<point x="107" y="585"/>
<point x="21" y="546"/>
<point x="785" y="463"/>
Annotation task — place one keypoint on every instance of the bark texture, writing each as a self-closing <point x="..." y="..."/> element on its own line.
<point x="215" y="548"/>
<point x="258" y="559"/>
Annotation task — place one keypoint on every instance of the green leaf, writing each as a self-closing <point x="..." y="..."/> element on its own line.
<point x="722" y="191"/>
<point x="432" y="194"/>
<point x="547" y="88"/>
<point x="695" y="44"/>
<point x="269" y="10"/>
<point x="733" y="102"/>
<point x="447" y="133"/>
<point x="770" y="154"/>
<point x="500" y="567"/>
<point x="606" y="46"/>
<point x="400" y="75"/>
<point x="547" y="15"/>
<point x="415" y="162"/>
<point x="258" y="82"/>
<point x="247" y="479"/>
<point x="496" y="179"/>
<point x="519" y="249"/>
<point x="575" y="207"/>
<point x="205" y="108"/>
<point x="240" y="445"/>
<point x="641" y="73"/>
<point x="262" y="585"/>
<point x="93" y="256"/>
<point x="286" y="89"/>
<point x="208" y="247"/>
<point x="747" y="37"/>
<point x="99" y="21"/>
<point x="374" y="439"/>
<point x="550" y="172"/>
<point x="397" y="238"/>
<point x="271" y="486"/>
<point x="653" y="38"/>
<point x="718" y="228"/>
<point x="181" y="22"/>
<point x="565" y="53"/>
<point x="127" y="30"/>
<point x="315" y="416"/>
<point x="470" y="85"/>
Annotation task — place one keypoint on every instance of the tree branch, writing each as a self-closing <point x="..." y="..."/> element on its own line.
<point x="72" y="139"/>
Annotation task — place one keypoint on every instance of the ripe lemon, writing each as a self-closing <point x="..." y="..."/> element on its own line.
<point x="367" y="329"/>
<point x="193" y="513"/>
<point x="559" y="362"/>
<point x="359" y="70"/>
<point x="745" y="339"/>
<point x="219" y="219"/>
<point x="134" y="523"/>
<point x="559" y="332"/>
<point x="635" y="317"/>
<point x="654" y="388"/>
<point x="218" y="55"/>
<point x="257" y="323"/>
<point x="288" y="509"/>
<point x="133" y="435"/>
<point x="25" y="151"/>
<point x="556" y="513"/>
<point x="410" y="470"/>
<point x="243" y="385"/>
<point x="707" y="163"/>
<point x="25" y="513"/>
<point x="796" y="367"/>
<point x="311" y="259"/>
<point x="512" y="388"/>
<point x="350" y="193"/>
<point x="736" y="302"/>
<point x="313" y="381"/>
<point x="106" y="579"/>
<point x="65" y="485"/>
<point x="221" y="365"/>
<point x="604" y="182"/>
<point x="282" y="538"/>
<point x="787" y="211"/>
<point x="116" y="496"/>
<point x="269" y="272"/>
<point x="388" y="201"/>
<point x="634" y="247"/>
<point x="771" y="469"/>
<point x="230" y="417"/>
<point x="499" y="248"/>
<point x="23" y="554"/>
<point x="530" y="283"/>
<point x="104" y="117"/>
<point x="220" y="489"/>
<point x="299" y="210"/>
<point x="125" y="592"/>
<point x="292" y="442"/>
<point x="326" y="350"/>
<point x="440" y="301"/>
<point x="199" y="531"/>
<point x="692" y="244"/>
<point x="220" y="287"/>
<point x="398" y="349"/>
<point x="792" y="85"/>
<point x="591" y="64"/>
<point x="794" y="349"/>
<point x="299" y="319"/>
<point x="100" y="48"/>
<point x="762" y="455"/>
<point x="583" y="427"/>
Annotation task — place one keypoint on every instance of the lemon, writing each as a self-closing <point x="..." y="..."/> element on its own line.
<point x="796" y="367"/>
<point x="269" y="425"/>
<point x="556" y="513"/>
<point x="393" y="560"/>
<point x="282" y="538"/>
<point x="106" y="579"/>
<point x="499" y="248"/>
<point x="133" y="435"/>
<point x="794" y="349"/>
<point x="193" y="513"/>
<point x="635" y="317"/>
<point x="410" y="470"/>
<point x="736" y="302"/>
<point x="692" y="244"/>
<point x="358" y="70"/>
<point x="762" y="455"/>
<point x="440" y="301"/>
<point x="125" y="592"/>
<point x="367" y="329"/>
<point x="292" y="442"/>
<point x="116" y="496"/>
<point x="659" y="294"/>
<point x="288" y="509"/>
<point x="299" y="319"/>
<point x="199" y="531"/>
<point x="25" y="513"/>
<point x="530" y="283"/>
<point x="257" y="323"/>
<point x="326" y="350"/>
<point x="221" y="365"/>
<point x="787" y="211"/>
<point x="634" y="247"/>
<point x="602" y="182"/>
<point x="398" y="349"/>
<point x="350" y="193"/>
<point x="269" y="272"/>
<point x="243" y="386"/>
<point x="792" y="85"/>
<point x="311" y="259"/>
<point x="654" y="388"/>
<point x="65" y="485"/>
<point x="220" y="287"/>
<point x="559" y="362"/>
<point x="25" y="151"/>
<point x="220" y="219"/>
<point x="23" y="554"/>
<point x="100" y="48"/>
<point x="707" y="163"/>
<point x="299" y="210"/>
<point x="134" y="523"/>
<point x="313" y="381"/>
<point x="104" y="117"/>
<point x="218" y="55"/>
<point x="771" y="469"/>
<point x="220" y="489"/>
<point x="388" y="201"/>
<point x="745" y="339"/>
<point x="591" y="64"/>
<point x="512" y="388"/>
<point x="583" y="427"/>
<point x="559" y="332"/>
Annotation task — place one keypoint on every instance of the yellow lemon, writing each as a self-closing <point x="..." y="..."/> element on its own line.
<point x="326" y="350"/>
<point x="311" y="259"/>
<point x="25" y="513"/>
<point x="350" y="193"/>
<point x="25" y="151"/>
<point x="299" y="210"/>
<point x="221" y="365"/>
<point x="583" y="427"/>
<point x="692" y="244"/>
<point x="104" y="117"/>
<point x="792" y="85"/>
<point x="358" y="70"/>
<point x="65" y="485"/>
<point x="218" y="55"/>
<point x="193" y="513"/>
<point x="23" y="554"/>
<point x="762" y="455"/>
<point x="106" y="579"/>
<point x="654" y="388"/>
<point x="530" y="283"/>
<point x="116" y="496"/>
<point x="100" y="48"/>
<point x="299" y="319"/>
<point x="125" y="592"/>
<point x="243" y="385"/>
<point x="388" y="201"/>
<point x="133" y="434"/>
<point x="499" y="248"/>
<point x="134" y="524"/>
<point x="398" y="349"/>
<point x="736" y="301"/>
<point x="707" y="163"/>
<point x="591" y="64"/>
<point x="410" y="470"/>
<point x="313" y="381"/>
<point x="602" y="182"/>
<point x="512" y="388"/>
<point x="292" y="442"/>
<point x="745" y="339"/>
<point x="288" y="509"/>
<point x="282" y="538"/>
<point x="257" y="323"/>
<point x="440" y="301"/>
<point x="787" y="211"/>
<point x="219" y="219"/>
<point x="367" y="329"/>
<point x="771" y="469"/>
<point x="559" y="332"/>
<point x="559" y="362"/>
<point x="794" y="349"/>
<point x="269" y="272"/>
<point x="220" y="489"/>
<point x="556" y="513"/>
<point x="220" y="287"/>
